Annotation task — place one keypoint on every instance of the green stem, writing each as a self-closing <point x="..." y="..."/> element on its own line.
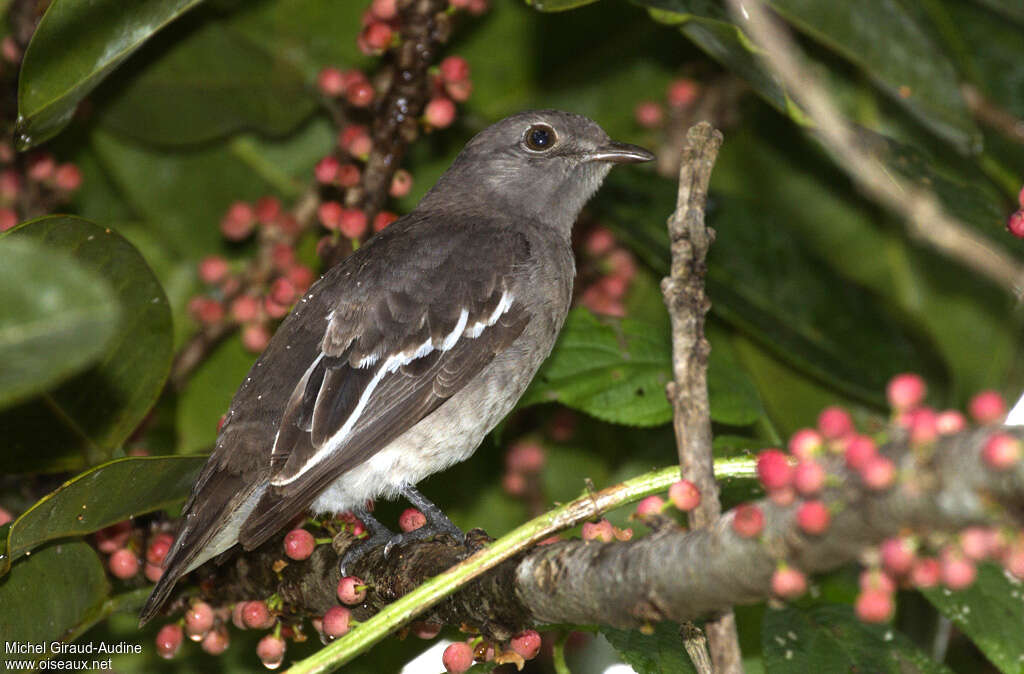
<point x="246" y="150"/>
<point x="558" y="654"/>
<point x="586" y="507"/>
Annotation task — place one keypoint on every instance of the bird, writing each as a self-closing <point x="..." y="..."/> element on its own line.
<point x="398" y="361"/>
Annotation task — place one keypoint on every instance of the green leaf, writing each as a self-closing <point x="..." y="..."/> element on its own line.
<point x="56" y="317"/>
<point x="209" y="84"/>
<point x="102" y="496"/>
<point x="990" y="613"/>
<point x="992" y="51"/>
<point x="656" y="653"/>
<point x="75" y="46"/>
<point x="208" y="394"/>
<point x="87" y="417"/>
<point x="830" y="638"/>
<point x="49" y="597"/>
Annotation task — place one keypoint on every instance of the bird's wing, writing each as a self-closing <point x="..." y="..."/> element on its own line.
<point x="386" y="362"/>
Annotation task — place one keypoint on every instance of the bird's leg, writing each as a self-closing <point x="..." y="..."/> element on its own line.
<point x="379" y="534"/>
<point x="437" y="521"/>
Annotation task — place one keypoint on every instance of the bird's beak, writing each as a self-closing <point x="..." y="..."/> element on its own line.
<point x="619" y="153"/>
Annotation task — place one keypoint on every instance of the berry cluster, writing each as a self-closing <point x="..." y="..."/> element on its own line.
<point x="681" y="95"/>
<point x="1015" y="223"/>
<point x="123" y="543"/>
<point x="459" y="657"/>
<point x="36" y="184"/>
<point x="615" y="267"/>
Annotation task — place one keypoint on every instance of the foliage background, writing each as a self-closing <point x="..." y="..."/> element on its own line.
<point x="819" y="295"/>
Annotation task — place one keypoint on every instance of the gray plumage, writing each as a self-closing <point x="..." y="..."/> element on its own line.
<point x="399" y="360"/>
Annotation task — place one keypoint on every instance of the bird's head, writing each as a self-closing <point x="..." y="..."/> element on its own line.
<point x="543" y="164"/>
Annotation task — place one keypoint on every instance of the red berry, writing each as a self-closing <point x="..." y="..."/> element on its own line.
<point x="878" y="473"/>
<point x="213" y="269"/>
<point x="67" y="177"/>
<point x="299" y="544"/>
<point x="330" y="81"/>
<point x="411" y="519"/>
<point x="1001" y="451"/>
<point x="923" y="426"/>
<point x="682" y="92"/>
<point x="652" y="505"/>
<point x="599" y="241"/>
<point x="352" y="223"/>
<point x="788" y="583"/>
<point x="282" y="291"/>
<point x="168" y="640"/>
<point x="383" y="219"/>
<point x="835" y="422"/>
<point x="748" y="520"/>
<point x="326" y="170"/>
<point x="123" y="564"/>
<point x="876" y="580"/>
<point x="238" y="222"/>
<point x="874" y="606"/>
<point x="282" y="255"/>
<point x="376" y="37"/>
<point x="152" y="572"/>
<point x="948" y="422"/>
<point x="860" y="449"/>
<point x="809" y="477"/>
<point x="206" y="310"/>
<point x="813" y="517"/>
<point x="805" y="443"/>
<point x="957" y="571"/>
<point x="526" y="644"/>
<point x="385" y="10"/>
<point x="514" y="484"/>
<point x="525" y="457"/>
<point x="274" y="310"/>
<point x="216" y="641"/>
<point x="336" y="622"/>
<point x="1015" y="224"/>
<point x="348" y="175"/>
<point x="360" y="94"/>
<point x="41" y="167"/>
<point x="8" y="219"/>
<point x="925" y="572"/>
<point x="245" y="308"/>
<point x="238" y="615"/>
<point x="113" y="537"/>
<point x="684" y="495"/>
<point x="255" y="615"/>
<point x="977" y="543"/>
<point x="458" y="657"/>
<point x="773" y="469"/>
<point x="301" y="277"/>
<point x="898" y="555"/>
<point x="5" y="516"/>
<point x="454" y="69"/>
<point x="255" y="337"/>
<point x="782" y="497"/>
<point x="598" y="531"/>
<point x="401" y="183"/>
<point x="329" y="213"/>
<point x="648" y="114"/>
<point x="158" y="548"/>
<point x="459" y="91"/>
<point x="351" y="590"/>
<point x="355" y="139"/>
<point x="10" y="50"/>
<point x="987" y="407"/>
<point x="905" y="391"/>
<point x="270" y="651"/>
<point x="268" y="210"/>
<point x="440" y="112"/>
<point x="198" y="620"/>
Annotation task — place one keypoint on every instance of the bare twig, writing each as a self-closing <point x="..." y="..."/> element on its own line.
<point x="991" y="114"/>
<point x="925" y="217"/>
<point x="687" y="305"/>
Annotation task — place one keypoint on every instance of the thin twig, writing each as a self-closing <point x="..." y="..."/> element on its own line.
<point x="925" y="217"/>
<point x="989" y="113"/>
<point x="688" y="305"/>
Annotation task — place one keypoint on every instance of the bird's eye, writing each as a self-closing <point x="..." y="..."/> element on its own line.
<point x="539" y="137"/>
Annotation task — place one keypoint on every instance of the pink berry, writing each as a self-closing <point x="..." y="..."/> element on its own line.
<point x="923" y="426"/>
<point x="977" y="543"/>
<point x="860" y="449"/>
<point x="813" y="517"/>
<point x="67" y="177"/>
<point x="1001" y="451"/>
<point x="748" y="520"/>
<point x="238" y="615"/>
<point x="599" y="241"/>
<point x="329" y="213"/>
<point x="385" y="10"/>
<point x="270" y="651"/>
<point x="525" y="457"/>
<point x="440" y="112"/>
<point x="255" y="338"/>
<point x="682" y="92"/>
<point x="925" y="572"/>
<point x="383" y="219"/>
<point x="598" y="531"/>
<point x="10" y="184"/>
<point x="268" y="210"/>
<point x="5" y="516"/>
<point x="238" y="222"/>
<point x="326" y="170"/>
<point x="330" y="81"/>
<point x="158" y="548"/>
<point x="648" y="114"/>
<point x="987" y="407"/>
<point x="351" y="590"/>
<point x="878" y="473"/>
<point x="526" y="644"/>
<point x="10" y="50"/>
<point x="898" y="555"/>
<point x="299" y="544"/>
<point x="805" y="443"/>
<point x="459" y="91"/>
<point x="514" y="484"/>
<point x="411" y="519"/>
<point x="213" y="269"/>
<point x="652" y="505"/>
<point x="809" y="477"/>
<point x="835" y="422"/>
<point x="282" y="291"/>
<point x="782" y="497"/>
<point x="957" y="571"/>
<point x="216" y="641"/>
<point x="454" y="69"/>
<point x="355" y="139"/>
<point x="773" y="469"/>
<point x="1013" y="560"/>
<point x="206" y="310"/>
<point x="301" y="277"/>
<point x="245" y="308"/>
<point x="168" y="640"/>
<point x="41" y="167"/>
<point x="874" y="579"/>
<point x="8" y="219"/>
<point x="198" y="620"/>
<point x="401" y="183"/>
<point x="352" y="223"/>
<point x="788" y="583"/>
<point x="113" y="537"/>
<point x="377" y="36"/>
<point x="153" y="572"/>
<point x="1015" y="224"/>
<point x="874" y="606"/>
<point x="360" y="94"/>
<point x="948" y="422"/>
<point x="905" y="391"/>
<point x="684" y="495"/>
<point x="457" y="658"/>
<point x="282" y="255"/>
<point x="123" y="564"/>
<point x="256" y="616"/>
<point x="336" y="622"/>
<point x="348" y="175"/>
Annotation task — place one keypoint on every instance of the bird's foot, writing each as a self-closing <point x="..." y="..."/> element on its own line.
<point x="379" y="535"/>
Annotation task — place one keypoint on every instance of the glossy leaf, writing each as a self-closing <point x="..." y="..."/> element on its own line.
<point x="829" y="638"/>
<point x="992" y="51"/>
<point x="56" y="317"/>
<point x="990" y="613"/>
<point x="76" y="45"/>
<point x="655" y="653"/>
<point x="87" y="417"/>
<point x="102" y="496"/>
<point x="207" y="84"/>
<point x="48" y="597"/>
<point x="208" y="394"/>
